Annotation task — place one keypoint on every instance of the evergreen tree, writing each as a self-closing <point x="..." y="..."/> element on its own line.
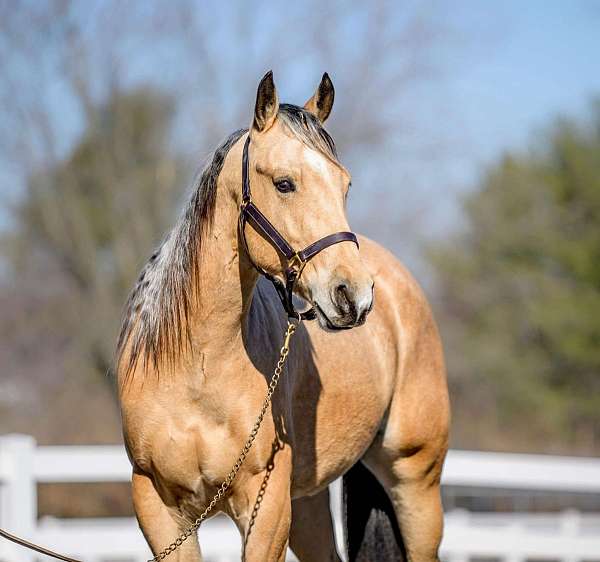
<point x="519" y="298"/>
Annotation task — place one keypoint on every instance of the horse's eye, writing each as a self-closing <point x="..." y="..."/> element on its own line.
<point x="284" y="185"/>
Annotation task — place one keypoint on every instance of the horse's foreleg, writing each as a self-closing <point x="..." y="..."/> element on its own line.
<point x="158" y="524"/>
<point x="311" y="535"/>
<point x="266" y="526"/>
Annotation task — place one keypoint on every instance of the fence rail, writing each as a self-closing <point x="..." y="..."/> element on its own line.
<point x="566" y="537"/>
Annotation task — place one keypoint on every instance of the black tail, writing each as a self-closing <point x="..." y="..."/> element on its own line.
<point x="372" y="533"/>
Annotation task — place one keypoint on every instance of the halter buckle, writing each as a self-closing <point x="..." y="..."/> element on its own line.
<point x="296" y="263"/>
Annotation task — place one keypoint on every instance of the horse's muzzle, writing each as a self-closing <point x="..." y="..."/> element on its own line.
<point x="347" y="308"/>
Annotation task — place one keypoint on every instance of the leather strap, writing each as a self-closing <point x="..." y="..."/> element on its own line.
<point x="264" y="226"/>
<point x="313" y="249"/>
<point x="245" y="172"/>
<point x="249" y="212"/>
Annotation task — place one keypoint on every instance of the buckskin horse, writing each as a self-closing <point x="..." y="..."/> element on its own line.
<point x="202" y="333"/>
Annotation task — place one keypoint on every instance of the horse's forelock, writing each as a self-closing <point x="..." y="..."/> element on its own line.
<point x="307" y="128"/>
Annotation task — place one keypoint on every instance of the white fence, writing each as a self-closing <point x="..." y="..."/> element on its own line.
<point x="566" y="537"/>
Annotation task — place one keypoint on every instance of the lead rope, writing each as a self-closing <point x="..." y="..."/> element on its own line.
<point x="36" y="547"/>
<point x="283" y="353"/>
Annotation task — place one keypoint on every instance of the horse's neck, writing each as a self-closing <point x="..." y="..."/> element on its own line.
<point x="225" y="285"/>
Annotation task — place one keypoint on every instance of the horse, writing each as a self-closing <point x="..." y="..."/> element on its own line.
<point x="361" y="398"/>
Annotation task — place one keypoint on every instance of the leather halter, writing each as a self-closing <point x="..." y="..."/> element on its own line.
<point x="296" y="260"/>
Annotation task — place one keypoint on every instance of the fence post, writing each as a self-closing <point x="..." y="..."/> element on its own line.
<point x="460" y="519"/>
<point x="18" y="495"/>
<point x="570" y="526"/>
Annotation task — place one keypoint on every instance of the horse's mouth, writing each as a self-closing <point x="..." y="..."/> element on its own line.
<point x="326" y="323"/>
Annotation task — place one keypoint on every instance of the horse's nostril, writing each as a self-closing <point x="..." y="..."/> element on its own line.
<point x="341" y="288"/>
<point x="341" y="294"/>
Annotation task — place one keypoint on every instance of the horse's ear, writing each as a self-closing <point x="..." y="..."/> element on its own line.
<point x="267" y="104"/>
<point x="322" y="101"/>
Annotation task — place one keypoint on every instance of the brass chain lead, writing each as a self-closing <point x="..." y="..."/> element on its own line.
<point x="283" y="353"/>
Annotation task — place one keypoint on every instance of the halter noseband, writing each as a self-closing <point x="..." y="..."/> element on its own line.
<point x="296" y="260"/>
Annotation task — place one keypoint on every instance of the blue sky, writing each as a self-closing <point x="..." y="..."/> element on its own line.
<point x="522" y="63"/>
<point x="506" y="70"/>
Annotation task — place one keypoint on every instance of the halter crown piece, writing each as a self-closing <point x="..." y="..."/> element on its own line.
<point x="296" y="260"/>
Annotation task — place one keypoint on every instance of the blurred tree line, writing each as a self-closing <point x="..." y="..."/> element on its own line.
<point x="81" y="230"/>
<point x="519" y="298"/>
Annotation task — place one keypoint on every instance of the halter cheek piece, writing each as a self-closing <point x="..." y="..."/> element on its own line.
<point x="296" y="260"/>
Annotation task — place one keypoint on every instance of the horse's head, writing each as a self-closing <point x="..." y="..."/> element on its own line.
<point x="299" y="184"/>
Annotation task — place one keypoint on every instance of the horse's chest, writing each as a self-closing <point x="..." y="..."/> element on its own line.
<point x="189" y="447"/>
